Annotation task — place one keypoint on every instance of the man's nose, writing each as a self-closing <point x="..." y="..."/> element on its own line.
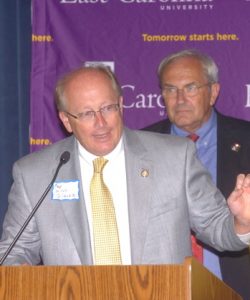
<point x="180" y="96"/>
<point x="99" y="119"/>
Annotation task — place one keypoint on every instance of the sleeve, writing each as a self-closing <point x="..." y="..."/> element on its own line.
<point x="27" y="248"/>
<point x="209" y="214"/>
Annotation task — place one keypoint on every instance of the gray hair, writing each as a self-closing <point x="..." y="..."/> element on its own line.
<point x="209" y="66"/>
<point x="59" y="95"/>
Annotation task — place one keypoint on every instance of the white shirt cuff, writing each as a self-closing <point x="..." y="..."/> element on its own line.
<point x="245" y="238"/>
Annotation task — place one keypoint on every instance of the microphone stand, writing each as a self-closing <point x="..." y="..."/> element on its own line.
<point x="63" y="160"/>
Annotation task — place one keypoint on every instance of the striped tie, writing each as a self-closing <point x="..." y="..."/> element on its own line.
<point x="106" y="238"/>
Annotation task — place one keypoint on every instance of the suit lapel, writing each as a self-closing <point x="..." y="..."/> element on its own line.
<point x="228" y="156"/>
<point x="139" y="171"/>
<point x="75" y="211"/>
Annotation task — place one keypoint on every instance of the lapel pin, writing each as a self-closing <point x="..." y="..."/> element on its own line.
<point x="144" y="173"/>
<point x="236" y="147"/>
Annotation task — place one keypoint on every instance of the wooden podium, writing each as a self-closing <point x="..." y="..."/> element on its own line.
<point x="186" y="281"/>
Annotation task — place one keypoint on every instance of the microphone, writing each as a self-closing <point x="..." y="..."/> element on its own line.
<point x="63" y="160"/>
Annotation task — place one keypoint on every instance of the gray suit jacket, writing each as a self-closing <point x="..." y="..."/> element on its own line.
<point x="230" y="163"/>
<point x="177" y="194"/>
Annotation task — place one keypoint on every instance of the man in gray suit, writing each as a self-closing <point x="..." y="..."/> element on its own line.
<point x="159" y="188"/>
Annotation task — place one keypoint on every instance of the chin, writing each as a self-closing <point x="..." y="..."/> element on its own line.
<point x="102" y="151"/>
<point x="182" y="122"/>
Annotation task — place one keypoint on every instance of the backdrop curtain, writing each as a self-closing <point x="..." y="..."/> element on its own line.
<point x="15" y="60"/>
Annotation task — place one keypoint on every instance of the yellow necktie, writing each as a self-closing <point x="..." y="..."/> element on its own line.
<point x="106" y="238"/>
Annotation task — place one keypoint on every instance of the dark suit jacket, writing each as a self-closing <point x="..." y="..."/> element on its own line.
<point x="233" y="157"/>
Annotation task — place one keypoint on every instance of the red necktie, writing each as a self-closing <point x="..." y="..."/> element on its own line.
<point x="196" y="248"/>
<point x="192" y="136"/>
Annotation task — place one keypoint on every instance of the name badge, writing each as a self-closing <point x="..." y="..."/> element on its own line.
<point x="66" y="191"/>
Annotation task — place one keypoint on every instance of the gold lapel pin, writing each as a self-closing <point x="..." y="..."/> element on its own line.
<point x="236" y="147"/>
<point x="144" y="173"/>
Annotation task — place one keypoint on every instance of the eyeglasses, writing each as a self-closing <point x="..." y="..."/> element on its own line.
<point x="189" y="90"/>
<point x="90" y="115"/>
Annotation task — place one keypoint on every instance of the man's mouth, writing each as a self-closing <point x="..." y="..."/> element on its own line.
<point x="102" y="136"/>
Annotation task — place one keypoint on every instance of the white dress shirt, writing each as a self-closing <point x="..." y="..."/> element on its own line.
<point x="114" y="175"/>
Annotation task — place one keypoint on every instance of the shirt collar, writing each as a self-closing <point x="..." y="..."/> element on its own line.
<point x="89" y="157"/>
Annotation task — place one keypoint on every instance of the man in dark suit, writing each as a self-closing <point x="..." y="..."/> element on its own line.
<point x="189" y="83"/>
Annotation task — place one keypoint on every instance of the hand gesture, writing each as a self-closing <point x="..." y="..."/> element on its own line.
<point x="239" y="204"/>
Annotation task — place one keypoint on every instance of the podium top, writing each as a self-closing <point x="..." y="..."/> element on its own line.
<point x="186" y="281"/>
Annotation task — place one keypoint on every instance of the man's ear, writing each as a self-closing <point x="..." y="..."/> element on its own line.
<point x="215" y="90"/>
<point x="65" y="120"/>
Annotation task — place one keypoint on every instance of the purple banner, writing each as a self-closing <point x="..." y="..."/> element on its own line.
<point x="132" y="36"/>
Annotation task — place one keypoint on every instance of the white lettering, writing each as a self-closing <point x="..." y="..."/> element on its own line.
<point x="141" y="100"/>
<point x="165" y="1"/>
<point x="135" y="1"/>
<point x="185" y="1"/>
<point x="84" y="1"/>
<point x="68" y="1"/>
<point x="138" y="1"/>
<point x="248" y="95"/>
<point x="132" y="88"/>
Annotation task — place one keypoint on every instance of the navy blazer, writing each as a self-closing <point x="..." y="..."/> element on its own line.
<point x="233" y="157"/>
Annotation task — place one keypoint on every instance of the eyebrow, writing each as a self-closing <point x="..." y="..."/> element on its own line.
<point x="172" y="85"/>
